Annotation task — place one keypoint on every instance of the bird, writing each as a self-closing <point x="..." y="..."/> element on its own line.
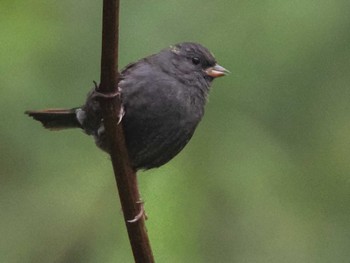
<point x="163" y="97"/>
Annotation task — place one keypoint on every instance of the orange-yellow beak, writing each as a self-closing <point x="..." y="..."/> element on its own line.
<point x="216" y="71"/>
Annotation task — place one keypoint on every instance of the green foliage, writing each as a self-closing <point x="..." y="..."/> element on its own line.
<point x="266" y="176"/>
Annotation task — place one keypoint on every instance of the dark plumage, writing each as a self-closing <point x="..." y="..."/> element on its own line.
<point x="163" y="97"/>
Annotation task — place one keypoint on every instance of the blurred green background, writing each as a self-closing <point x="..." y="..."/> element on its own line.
<point x="266" y="178"/>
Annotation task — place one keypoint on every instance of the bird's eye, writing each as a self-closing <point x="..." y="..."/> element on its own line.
<point x="195" y="60"/>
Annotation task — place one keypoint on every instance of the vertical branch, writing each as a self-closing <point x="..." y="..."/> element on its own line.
<point x="111" y="106"/>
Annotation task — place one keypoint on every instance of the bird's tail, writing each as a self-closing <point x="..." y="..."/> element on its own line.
<point x="56" y="119"/>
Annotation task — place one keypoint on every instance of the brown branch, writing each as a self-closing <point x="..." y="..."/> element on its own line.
<point x="124" y="174"/>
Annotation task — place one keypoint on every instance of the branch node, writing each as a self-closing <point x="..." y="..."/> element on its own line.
<point x="141" y="214"/>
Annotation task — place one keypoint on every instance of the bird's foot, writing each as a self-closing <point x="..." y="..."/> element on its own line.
<point x="97" y="94"/>
<point x="141" y="214"/>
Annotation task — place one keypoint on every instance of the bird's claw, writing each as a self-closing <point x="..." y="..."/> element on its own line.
<point x="121" y="114"/>
<point x="141" y="214"/>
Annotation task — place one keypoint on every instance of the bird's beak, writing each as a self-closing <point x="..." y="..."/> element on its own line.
<point x="216" y="71"/>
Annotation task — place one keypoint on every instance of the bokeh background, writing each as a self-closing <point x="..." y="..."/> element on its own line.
<point x="266" y="178"/>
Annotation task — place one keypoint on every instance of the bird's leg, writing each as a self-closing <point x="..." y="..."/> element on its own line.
<point x="141" y="214"/>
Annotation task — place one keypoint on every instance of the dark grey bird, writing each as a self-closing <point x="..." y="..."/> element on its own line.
<point x="163" y="98"/>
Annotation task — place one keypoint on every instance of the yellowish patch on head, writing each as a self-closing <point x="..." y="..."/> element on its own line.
<point x="174" y="49"/>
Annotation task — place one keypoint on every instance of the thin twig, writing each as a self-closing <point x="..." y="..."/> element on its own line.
<point x="124" y="174"/>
